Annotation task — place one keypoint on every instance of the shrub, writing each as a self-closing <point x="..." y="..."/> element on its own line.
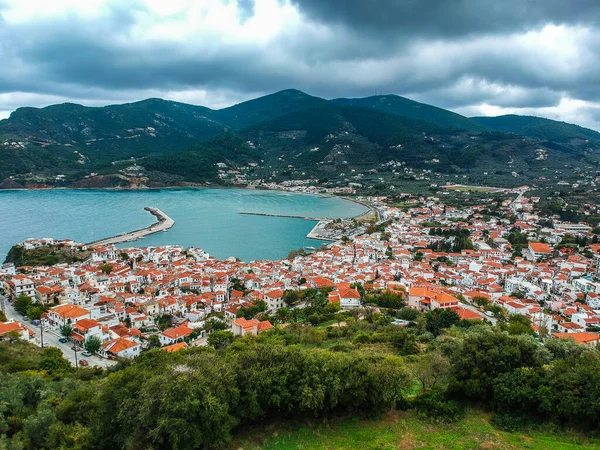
<point x="435" y="405"/>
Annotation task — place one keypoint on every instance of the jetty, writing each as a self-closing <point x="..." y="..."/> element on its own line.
<point x="163" y="223"/>
<point x="286" y="216"/>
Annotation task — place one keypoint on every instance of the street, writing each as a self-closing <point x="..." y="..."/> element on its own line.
<point x="492" y="320"/>
<point x="51" y="338"/>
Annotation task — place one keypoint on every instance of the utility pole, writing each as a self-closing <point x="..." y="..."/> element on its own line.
<point x="42" y="332"/>
<point x="76" y="348"/>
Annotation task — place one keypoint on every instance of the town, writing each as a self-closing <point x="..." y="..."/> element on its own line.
<point x="485" y="266"/>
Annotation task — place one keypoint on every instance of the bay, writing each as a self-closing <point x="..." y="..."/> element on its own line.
<point x="204" y="217"/>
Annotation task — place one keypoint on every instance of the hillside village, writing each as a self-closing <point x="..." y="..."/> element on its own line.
<point x="432" y="256"/>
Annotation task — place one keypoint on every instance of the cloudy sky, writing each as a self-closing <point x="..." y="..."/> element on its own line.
<point x="476" y="57"/>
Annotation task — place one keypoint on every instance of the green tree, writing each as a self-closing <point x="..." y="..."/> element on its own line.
<point x="408" y="314"/>
<point x="106" y="268"/>
<point x="66" y="330"/>
<point x="482" y="356"/>
<point x="93" y="344"/>
<point x="22" y="304"/>
<point x="439" y="319"/>
<point x="290" y="297"/>
<point x="154" y="341"/>
<point x="220" y="339"/>
<point x="35" y="312"/>
<point x="518" y="324"/>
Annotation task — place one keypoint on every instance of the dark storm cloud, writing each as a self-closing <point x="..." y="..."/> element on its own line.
<point x="453" y="54"/>
<point x="444" y="18"/>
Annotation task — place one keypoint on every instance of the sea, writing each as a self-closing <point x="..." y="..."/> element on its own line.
<point x="207" y="218"/>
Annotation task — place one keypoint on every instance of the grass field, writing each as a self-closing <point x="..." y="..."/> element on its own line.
<point x="404" y="430"/>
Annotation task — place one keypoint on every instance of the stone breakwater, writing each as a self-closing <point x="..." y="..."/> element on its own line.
<point x="163" y="223"/>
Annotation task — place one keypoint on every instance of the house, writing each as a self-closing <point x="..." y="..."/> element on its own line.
<point x="274" y="300"/>
<point x="46" y="294"/>
<point x="537" y="251"/>
<point x="122" y="347"/>
<point x="175" y="347"/>
<point x="85" y="329"/>
<point x="585" y="337"/>
<point x="241" y="326"/>
<point x="347" y="297"/>
<point x="467" y="314"/>
<point x="569" y="327"/>
<point x="15" y="329"/>
<point x="20" y="285"/>
<point x="66" y="314"/>
<point x="173" y="335"/>
<point x="441" y="300"/>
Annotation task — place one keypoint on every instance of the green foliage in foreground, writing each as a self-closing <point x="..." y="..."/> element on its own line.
<point x="202" y="398"/>
<point x="404" y="430"/>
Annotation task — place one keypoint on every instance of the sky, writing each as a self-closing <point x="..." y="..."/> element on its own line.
<point x="475" y="57"/>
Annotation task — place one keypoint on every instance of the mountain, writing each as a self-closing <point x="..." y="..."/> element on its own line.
<point x="410" y="109"/>
<point x="286" y="135"/>
<point x="267" y="108"/>
<point x="537" y="127"/>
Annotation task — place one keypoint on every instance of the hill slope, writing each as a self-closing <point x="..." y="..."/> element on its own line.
<point x="410" y="109"/>
<point x="284" y="135"/>
<point x="537" y="127"/>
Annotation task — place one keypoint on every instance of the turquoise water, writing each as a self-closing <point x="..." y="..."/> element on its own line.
<point x="205" y="218"/>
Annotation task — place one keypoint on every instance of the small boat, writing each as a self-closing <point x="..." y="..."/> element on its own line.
<point x="310" y="248"/>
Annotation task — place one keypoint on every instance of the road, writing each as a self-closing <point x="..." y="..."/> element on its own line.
<point x="492" y="320"/>
<point x="51" y="338"/>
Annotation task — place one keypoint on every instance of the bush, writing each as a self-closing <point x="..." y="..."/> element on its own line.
<point x="362" y="338"/>
<point x="435" y="405"/>
<point x="408" y="314"/>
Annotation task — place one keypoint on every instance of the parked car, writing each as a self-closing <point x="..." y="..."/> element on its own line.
<point x="36" y="322"/>
<point x="489" y="314"/>
<point x="63" y="340"/>
<point x="83" y="363"/>
<point x="86" y="353"/>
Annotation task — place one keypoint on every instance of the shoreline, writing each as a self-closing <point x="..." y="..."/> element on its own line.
<point x="211" y="186"/>
<point x="163" y="223"/>
<point x="152" y="229"/>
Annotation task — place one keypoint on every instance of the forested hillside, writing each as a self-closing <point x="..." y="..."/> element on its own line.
<point x="281" y="136"/>
<point x="203" y="397"/>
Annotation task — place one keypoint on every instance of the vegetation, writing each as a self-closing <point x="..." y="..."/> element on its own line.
<point x="277" y="137"/>
<point x="44" y="256"/>
<point x="205" y="397"/>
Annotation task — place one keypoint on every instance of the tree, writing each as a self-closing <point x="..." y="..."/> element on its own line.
<point x="93" y="344"/>
<point x="163" y="322"/>
<point x="432" y="369"/>
<point x="480" y="301"/>
<point x="215" y="325"/>
<point x="482" y="356"/>
<point x="106" y="268"/>
<point x="408" y="314"/>
<point x="438" y="319"/>
<point x="22" y="304"/>
<point x="290" y="297"/>
<point x="154" y="341"/>
<point x="54" y="363"/>
<point x="66" y="330"/>
<point x="518" y="324"/>
<point x="35" y="312"/>
<point x="220" y="339"/>
<point x="282" y="314"/>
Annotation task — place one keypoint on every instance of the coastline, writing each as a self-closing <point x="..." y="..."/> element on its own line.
<point x="315" y="233"/>
<point x="163" y="223"/>
<point x="199" y="186"/>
